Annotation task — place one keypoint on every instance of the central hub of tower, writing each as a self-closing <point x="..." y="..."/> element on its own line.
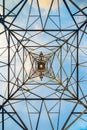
<point x="41" y="65"/>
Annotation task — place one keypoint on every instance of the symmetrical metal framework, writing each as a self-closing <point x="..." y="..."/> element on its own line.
<point x="43" y="61"/>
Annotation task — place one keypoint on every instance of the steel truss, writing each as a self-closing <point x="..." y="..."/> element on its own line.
<point x="52" y="98"/>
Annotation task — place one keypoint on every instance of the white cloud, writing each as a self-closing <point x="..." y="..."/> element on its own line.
<point x="46" y="4"/>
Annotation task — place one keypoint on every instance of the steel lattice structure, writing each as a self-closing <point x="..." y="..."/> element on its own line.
<point x="43" y="61"/>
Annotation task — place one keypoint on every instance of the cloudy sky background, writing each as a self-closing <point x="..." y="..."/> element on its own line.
<point x="79" y="125"/>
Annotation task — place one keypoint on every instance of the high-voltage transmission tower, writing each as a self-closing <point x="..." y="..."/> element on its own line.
<point x="43" y="64"/>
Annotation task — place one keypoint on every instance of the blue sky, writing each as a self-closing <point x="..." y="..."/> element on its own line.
<point x="45" y="38"/>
